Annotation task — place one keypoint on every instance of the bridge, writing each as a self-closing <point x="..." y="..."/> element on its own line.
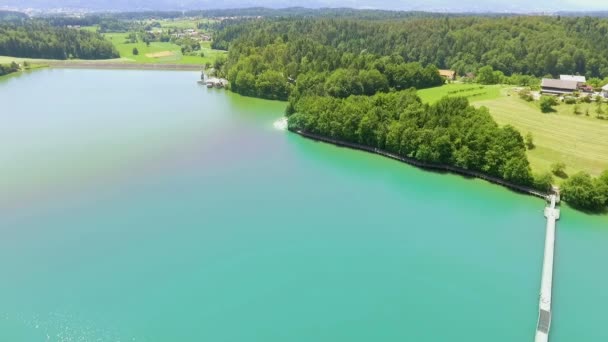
<point x="544" y="304"/>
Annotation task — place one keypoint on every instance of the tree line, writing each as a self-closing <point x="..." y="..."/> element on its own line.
<point x="450" y="132"/>
<point x="37" y="40"/>
<point x="304" y="66"/>
<point x="529" y="45"/>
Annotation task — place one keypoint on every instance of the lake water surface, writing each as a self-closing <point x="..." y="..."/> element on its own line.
<point x="139" y="206"/>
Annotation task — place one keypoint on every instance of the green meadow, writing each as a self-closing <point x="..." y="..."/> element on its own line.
<point x="473" y="92"/>
<point x="183" y="23"/>
<point x="578" y="140"/>
<point x="160" y="52"/>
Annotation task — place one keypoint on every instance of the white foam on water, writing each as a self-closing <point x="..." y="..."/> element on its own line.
<point x="281" y="124"/>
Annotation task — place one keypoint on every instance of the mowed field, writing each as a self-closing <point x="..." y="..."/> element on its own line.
<point x="159" y="52"/>
<point x="579" y="141"/>
<point x="473" y="92"/>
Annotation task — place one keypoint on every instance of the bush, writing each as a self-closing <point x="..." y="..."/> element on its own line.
<point x="526" y="95"/>
<point x="547" y="103"/>
<point x="582" y="191"/>
<point x="543" y="181"/>
<point x="569" y="100"/>
<point x="529" y="140"/>
<point x="559" y="169"/>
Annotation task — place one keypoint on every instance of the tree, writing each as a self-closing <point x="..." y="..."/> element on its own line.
<point x="598" y="109"/>
<point x="486" y="75"/>
<point x="272" y="85"/>
<point x="343" y="83"/>
<point x="529" y="139"/>
<point x="526" y="95"/>
<point x="543" y="181"/>
<point x="582" y="191"/>
<point x="559" y="169"/>
<point x="547" y="103"/>
<point x="373" y="81"/>
<point x="135" y="51"/>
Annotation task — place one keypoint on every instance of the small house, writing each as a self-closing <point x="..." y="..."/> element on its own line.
<point x="448" y="74"/>
<point x="558" y="87"/>
<point x="605" y="91"/>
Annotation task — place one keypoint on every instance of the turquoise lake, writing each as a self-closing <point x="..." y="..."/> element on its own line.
<point x="140" y="206"/>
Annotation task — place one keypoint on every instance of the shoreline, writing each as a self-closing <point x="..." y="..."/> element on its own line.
<point x="122" y="65"/>
<point x="426" y="166"/>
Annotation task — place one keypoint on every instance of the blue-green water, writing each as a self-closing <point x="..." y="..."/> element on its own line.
<point x="139" y="206"/>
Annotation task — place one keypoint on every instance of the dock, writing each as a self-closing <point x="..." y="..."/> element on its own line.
<point x="544" y="304"/>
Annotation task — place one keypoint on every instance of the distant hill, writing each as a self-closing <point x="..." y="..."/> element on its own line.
<point x="12" y="16"/>
<point x="518" y="6"/>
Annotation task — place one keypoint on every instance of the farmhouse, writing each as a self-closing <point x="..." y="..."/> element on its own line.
<point x="558" y="87"/>
<point x="448" y="74"/>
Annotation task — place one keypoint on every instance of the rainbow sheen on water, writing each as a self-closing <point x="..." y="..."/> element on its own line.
<point x="139" y="206"/>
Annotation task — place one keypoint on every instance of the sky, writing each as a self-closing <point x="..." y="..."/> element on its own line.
<point x="519" y="6"/>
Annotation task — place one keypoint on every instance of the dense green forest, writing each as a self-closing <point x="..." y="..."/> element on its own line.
<point x="450" y="132"/>
<point x="529" y="45"/>
<point x="36" y="40"/>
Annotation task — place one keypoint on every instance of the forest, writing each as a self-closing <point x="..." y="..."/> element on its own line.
<point x="37" y="40"/>
<point x="450" y="132"/>
<point x="529" y="45"/>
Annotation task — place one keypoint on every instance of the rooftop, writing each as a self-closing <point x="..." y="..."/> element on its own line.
<point x="559" y="84"/>
<point x="576" y="78"/>
<point x="447" y="73"/>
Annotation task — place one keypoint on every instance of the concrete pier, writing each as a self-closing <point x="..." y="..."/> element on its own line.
<point x="544" y="305"/>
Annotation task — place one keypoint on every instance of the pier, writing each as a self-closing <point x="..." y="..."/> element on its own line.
<point x="544" y="303"/>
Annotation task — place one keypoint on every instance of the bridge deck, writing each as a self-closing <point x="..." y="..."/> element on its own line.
<point x="544" y="304"/>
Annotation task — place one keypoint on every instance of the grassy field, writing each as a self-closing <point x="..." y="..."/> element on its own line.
<point x="171" y="52"/>
<point x="159" y="52"/>
<point x="578" y="140"/>
<point x="474" y="92"/>
<point x="182" y="23"/>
